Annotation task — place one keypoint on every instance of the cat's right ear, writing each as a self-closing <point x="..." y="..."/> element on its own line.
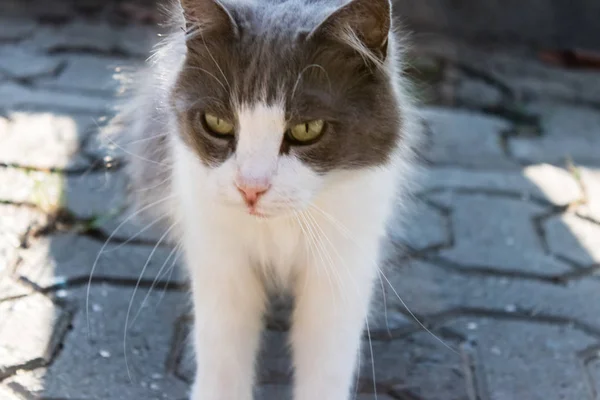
<point x="208" y="16"/>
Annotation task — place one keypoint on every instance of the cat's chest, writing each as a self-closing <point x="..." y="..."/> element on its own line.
<point x="276" y="247"/>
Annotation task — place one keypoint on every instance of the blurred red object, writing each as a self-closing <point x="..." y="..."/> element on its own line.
<point x="572" y="58"/>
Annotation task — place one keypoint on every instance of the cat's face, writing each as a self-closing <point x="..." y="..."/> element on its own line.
<point x="275" y="103"/>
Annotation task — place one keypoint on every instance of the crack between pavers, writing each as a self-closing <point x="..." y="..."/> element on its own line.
<point x="99" y="167"/>
<point x="520" y="315"/>
<point x="488" y="271"/>
<point x="513" y="195"/>
<point x="83" y="281"/>
<point x="89" y="50"/>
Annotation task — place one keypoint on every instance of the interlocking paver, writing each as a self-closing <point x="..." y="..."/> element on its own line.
<point x="13" y="29"/>
<point x="569" y="133"/>
<point x="22" y="63"/>
<point x="44" y="140"/>
<point x="424" y="227"/>
<point x="529" y="361"/>
<point x="498" y="233"/>
<point x="574" y="238"/>
<point x="465" y="138"/>
<point x="429" y="289"/>
<point x="91" y="73"/>
<point x="552" y="184"/>
<point x="590" y="179"/>
<point x="16" y="223"/>
<point x="53" y="260"/>
<point x="31" y="332"/>
<point x="95" y="194"/>
<point x="33" y="187"/>
<point x="92" y="363"/>
<point x="18" y="97"/>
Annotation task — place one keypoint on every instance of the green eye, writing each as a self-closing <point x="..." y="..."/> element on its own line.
<point x="217" y="125"/>
<point x="307" y="131"/>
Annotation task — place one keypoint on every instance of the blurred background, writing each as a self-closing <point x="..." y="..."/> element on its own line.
<point x="498" y="262"/>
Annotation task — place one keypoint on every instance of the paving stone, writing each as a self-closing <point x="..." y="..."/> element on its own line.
<point x="22" y="63"/>
<point x="497" y="233"/>
<point x="518" y="353"/>
<point x="570" y="132"/>
<point x="24" y="98"/>
<point x="467" y="139"/>
<point x="574" y="238"/>
<point x="31" y="331"/>
<point x="91" y="73"/>
<point x="373" y="397"/>
<point x="418" y="362"/>
<point x="476" y="93"/>
<point x="12" y="289"/>
<point x="550" y="183"/>
<point x="273" y="392"/>
<point x="95" y="194"/>
<point x="44" y="140"/>
<point x="590" y="178"/>
<point x="15" y="224"/>
<point x="593" y="369"/>
<point x="51" y="261"/>
<point x="40" y="188"/>
<point x="132" y="226"/>
<point x="424" y="227"/>
<point x="99" y="37"/>
<point x="7" y="394"/>
<point x="428" y="289"/>
<point x="92" y="364"/>
<point x="523" y="73"/>
<point x="13" y="29"/>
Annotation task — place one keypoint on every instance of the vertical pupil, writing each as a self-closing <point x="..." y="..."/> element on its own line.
<point x="306" y="127"/>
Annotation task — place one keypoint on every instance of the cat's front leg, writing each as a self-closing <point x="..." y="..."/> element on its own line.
<point x="228" y="308"/>
<point x="331" y="307"/>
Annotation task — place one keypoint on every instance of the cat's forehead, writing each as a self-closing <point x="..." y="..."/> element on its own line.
<point x="278" y="19"/>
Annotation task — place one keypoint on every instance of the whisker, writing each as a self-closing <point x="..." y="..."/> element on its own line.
<point x="137" y="285"/>
<point x="154" y="282"/>
<point x="133" y="237"/>
<point x="114" y="232"/>
<point x="136" y="155"/>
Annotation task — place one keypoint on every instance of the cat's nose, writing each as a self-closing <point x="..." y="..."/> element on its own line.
<point x="252" y="192"/>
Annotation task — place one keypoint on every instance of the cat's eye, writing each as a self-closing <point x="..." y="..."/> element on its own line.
<point x="307" y="132"/>
<point x="218" y="126"/>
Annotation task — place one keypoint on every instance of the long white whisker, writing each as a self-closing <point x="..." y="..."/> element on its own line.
<point x="114" y="232"/>
<point x="137" y="285"/>
<point x="372" y="358"/>
<point x="158" y="274"/>
<point x="133" y="237"/>
<point x="136" y="155"/>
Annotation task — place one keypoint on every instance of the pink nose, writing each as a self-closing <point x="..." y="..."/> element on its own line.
<point x="251" y="193"/>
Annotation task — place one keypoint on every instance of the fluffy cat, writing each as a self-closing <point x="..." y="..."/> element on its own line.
<point x="273" y="138"/>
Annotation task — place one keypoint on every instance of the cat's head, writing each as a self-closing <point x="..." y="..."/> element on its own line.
<point x="278" y="98"/>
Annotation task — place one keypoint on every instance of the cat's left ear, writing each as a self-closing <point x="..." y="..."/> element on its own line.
<point x="210" y="16"/>
<point x="367" y="20"/>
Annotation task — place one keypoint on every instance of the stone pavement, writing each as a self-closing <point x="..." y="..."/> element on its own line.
<point x="499" y="261"/>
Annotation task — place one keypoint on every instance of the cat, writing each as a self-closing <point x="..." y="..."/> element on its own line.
<point x="273" y="138"/>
